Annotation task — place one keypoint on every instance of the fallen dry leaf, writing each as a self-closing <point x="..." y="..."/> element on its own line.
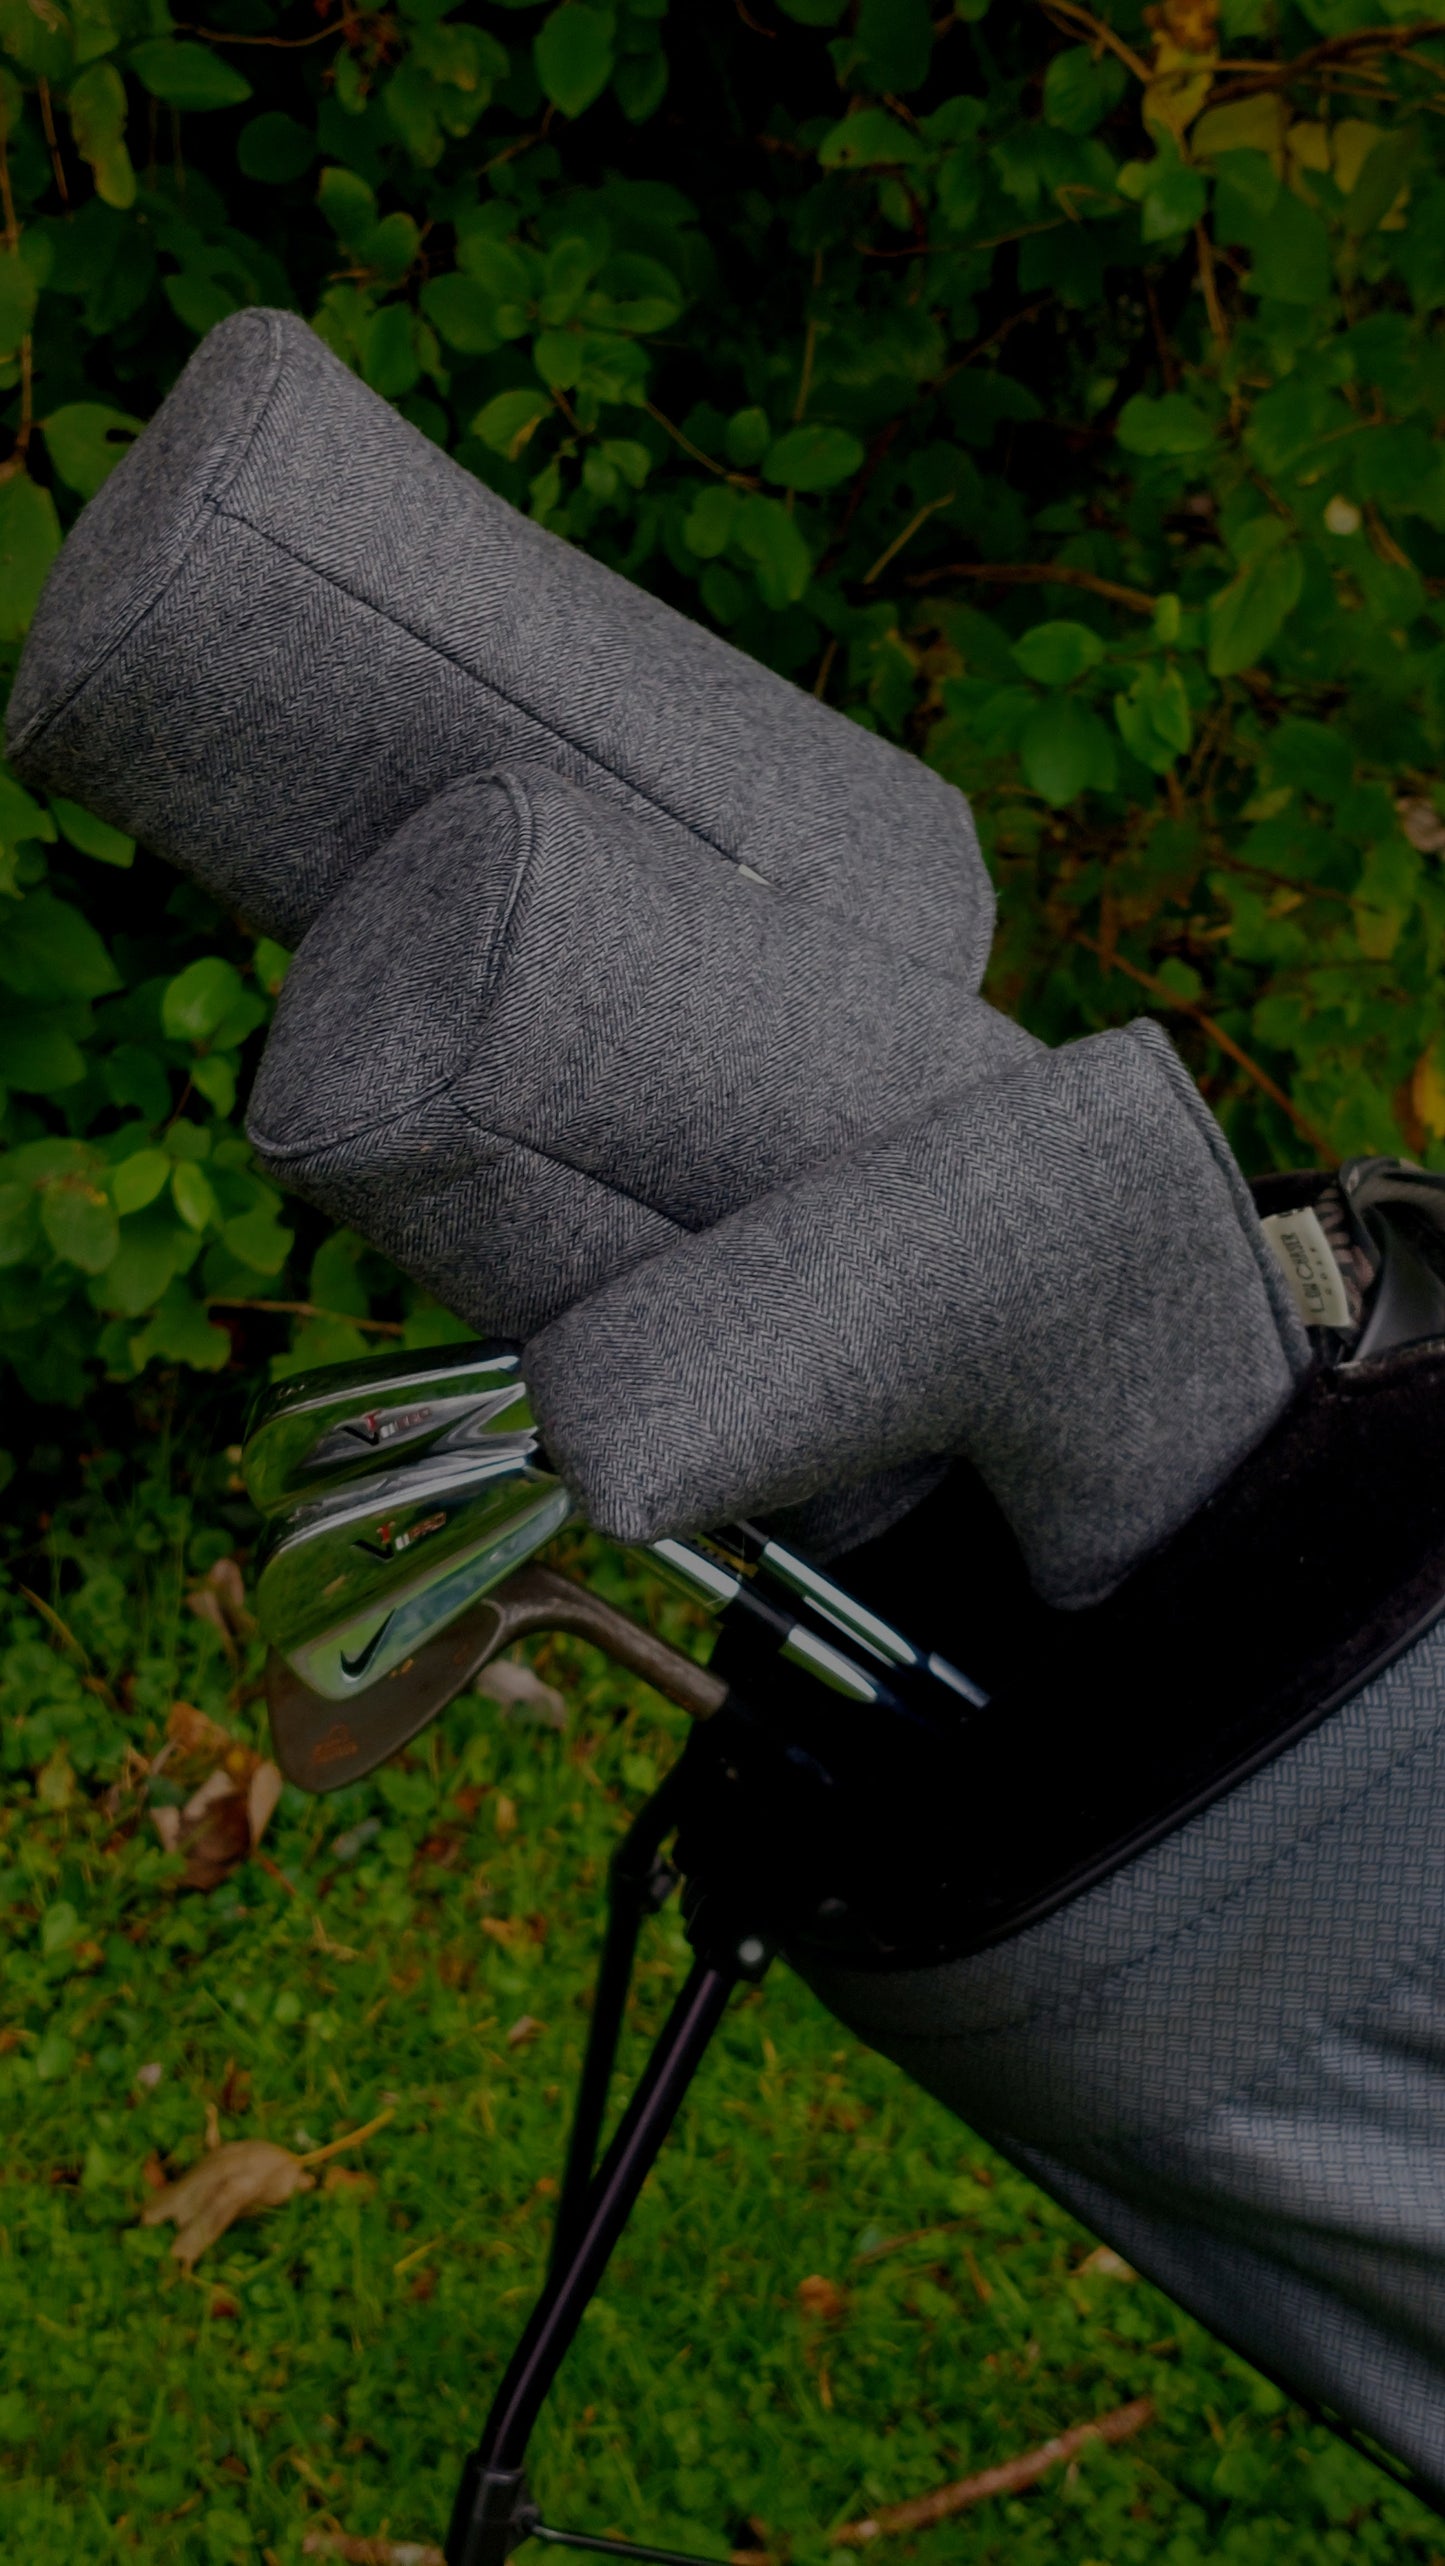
<point x="220" y="1600"/>
<point x="1109" y="2265"/>
<point x="370" y="2552"/>
<point x="525" y="2029"/>
<point x="822" y="2300"/>
<point x="247" y="2174"/>
<point x="516" y="1933"/>
<point x="891" y="2520"/>
<point x="522" y="1694"/>
<point x="345" y="2178"/>
<point x="231" y="1806"/>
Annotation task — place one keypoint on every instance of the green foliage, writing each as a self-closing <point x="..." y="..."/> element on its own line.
<point x="1067" y="411"/>
<point x="330" y="2362"/>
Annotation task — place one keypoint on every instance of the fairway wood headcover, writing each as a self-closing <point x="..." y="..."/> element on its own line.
<point x="288" y="619"/>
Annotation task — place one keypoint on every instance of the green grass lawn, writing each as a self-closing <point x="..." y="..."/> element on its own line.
<point x="327" y="2363"/>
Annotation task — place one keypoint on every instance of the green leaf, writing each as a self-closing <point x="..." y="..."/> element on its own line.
<point x="275" y="149"/>
<point x="1054" y="654"/>
<point x="1381" y="179"/>
<point x="152" y="1246"/>
<point x="390" y="360"/>
<point x="872" y="140"/>
<point x="639" y="85"/>
<point x="37" y="1057"/>
<point x="1065" y="750"/>
<point x="19" y="1222"/>
<point x="629" y="458"/>
<point x="258" y="1239"/>
<point x="1310" y="755"/>
<point x="21" y="816"/>
<point x="462" y="312"/>
<point x="93" y="837"/>
<point x="1173" y="202"/>
<point x="573" y="53"/>
<point x="48" y="950"/>
<point x="187" y="76"/>
<point x="86" y="440"/>
<point x="1172" y="424"/>
<point x="138" y="1179"/>
<point x="772" y="541"/>
<point x="1080" y="88"/>
<point x="348" y="204"/>
<point x="181" y="1332"/>
<point x="272" y="962"/>
<point x="215" y="1079"/>
<point x="29" y="542"/>
<point x="200" y="998"/>
<point x="813" y="458"/>
<point x="747" y="437"/>
<point x="896" y="38"/>
<point x="508" y="422"/>
<point x="193" y="1196"/>
<point x="80" y="1223"/>
<point x="712" y="521"/>
<point x="1290" y="254"/>
<point x="1154" y="718"/>
<point x="97" y="104"/>
<point x="1247" y="616"/>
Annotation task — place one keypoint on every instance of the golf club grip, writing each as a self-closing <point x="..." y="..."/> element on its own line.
<point x="542" y="1599"/>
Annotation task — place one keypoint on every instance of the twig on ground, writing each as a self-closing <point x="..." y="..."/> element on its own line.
<point x="370" y="2552"/>
<point x="1008" y="2479"/>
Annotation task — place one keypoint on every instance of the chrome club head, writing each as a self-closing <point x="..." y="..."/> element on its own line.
<point x="400" y="1490"/>
<point x="343" y="1421"/>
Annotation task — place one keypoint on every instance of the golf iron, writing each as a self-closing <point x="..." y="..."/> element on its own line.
<point x="405" y="1501"/>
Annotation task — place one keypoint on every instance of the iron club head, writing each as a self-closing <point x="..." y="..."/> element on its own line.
<point x="341" y="1421"/>
<point x="400" y="1490"/>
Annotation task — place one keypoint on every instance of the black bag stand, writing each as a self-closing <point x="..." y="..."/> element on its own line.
<point x="494" y="2512"/>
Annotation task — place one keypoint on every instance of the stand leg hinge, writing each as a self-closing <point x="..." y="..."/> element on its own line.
<point x="492" y="2515"/>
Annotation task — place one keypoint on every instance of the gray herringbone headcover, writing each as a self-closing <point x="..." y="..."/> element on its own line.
<point x="288" y="620"/>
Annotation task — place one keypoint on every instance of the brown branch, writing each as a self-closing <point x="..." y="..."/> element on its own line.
<point x="11" y="233"/>
<point x="810" y="346"/>
<point x="740" y="480"/>
<point x="1098" y="34"/>
<point x="52" y="140"/>
<point x="307" y="1310"/>
<point x="1008" y="2479"/>
<point x="1321" y="58"/>
<point x="280" y="44"/>
<point x="891" y="551"/>
<point x="1224" y="1042"/>
<point x="1037" y="574"/>
<point x="1204" y="248"/>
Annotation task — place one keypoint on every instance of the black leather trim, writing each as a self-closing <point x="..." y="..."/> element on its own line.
<point x="1317" y="1564"/>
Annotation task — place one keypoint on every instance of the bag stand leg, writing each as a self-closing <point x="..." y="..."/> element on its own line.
<point x="493" y="2512"/>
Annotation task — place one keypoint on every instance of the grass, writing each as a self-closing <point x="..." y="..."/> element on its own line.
<point x="328" y="2363"/>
